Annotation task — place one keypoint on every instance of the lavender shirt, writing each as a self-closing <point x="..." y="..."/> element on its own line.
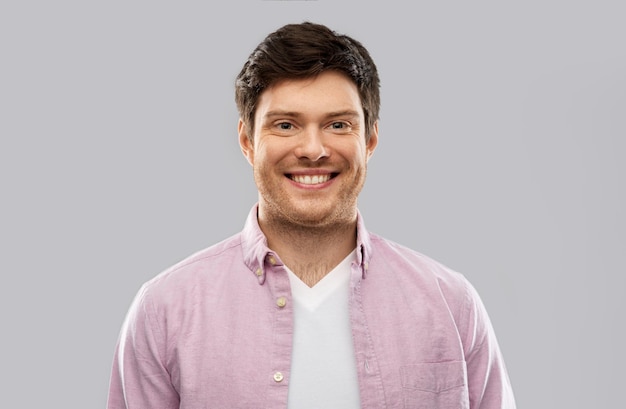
<point x="215" y="331"/>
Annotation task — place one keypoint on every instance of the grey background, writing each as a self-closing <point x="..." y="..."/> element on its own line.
<point x="501" y="155"/>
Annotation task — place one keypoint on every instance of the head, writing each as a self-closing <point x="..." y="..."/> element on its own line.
<point x="298" y="51"/>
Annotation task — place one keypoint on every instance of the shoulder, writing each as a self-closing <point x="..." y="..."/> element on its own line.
<point x="412" y="263"/>
<point x="413" y="272"/>
<point x="195" y="270"/>
<point x="419" y="276"/>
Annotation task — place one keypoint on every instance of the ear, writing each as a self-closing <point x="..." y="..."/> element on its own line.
<point x="247" y="147"/>
<point x="373" y="141"/>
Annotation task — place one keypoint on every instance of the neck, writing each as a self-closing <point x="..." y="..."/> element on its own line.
<point x="310" y="252"/>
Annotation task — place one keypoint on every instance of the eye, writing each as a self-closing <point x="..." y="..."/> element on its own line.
<point x="340" y="126"/>
<point x="285" y="126"/>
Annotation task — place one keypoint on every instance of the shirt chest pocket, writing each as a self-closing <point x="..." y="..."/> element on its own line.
<point x="435" y="385"/>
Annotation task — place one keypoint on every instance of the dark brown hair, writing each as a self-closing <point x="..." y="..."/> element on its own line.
<point x="305" y="50"/>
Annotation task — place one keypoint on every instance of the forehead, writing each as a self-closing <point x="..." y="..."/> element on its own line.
<point x="330" y="91"/>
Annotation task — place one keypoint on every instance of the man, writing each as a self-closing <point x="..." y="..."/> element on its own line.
<point x="305" y="308"/>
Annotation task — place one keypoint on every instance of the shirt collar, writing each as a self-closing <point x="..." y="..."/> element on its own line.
<point x="257" y="255"/>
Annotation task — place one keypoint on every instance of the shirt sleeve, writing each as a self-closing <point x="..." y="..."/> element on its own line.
<point x="488" y="381"/>
<point x="139" y="377"/>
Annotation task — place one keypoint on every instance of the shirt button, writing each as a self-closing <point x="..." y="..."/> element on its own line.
<point x="272" y="260"/>
<point x="281" y="302"/>
<point x="259" y="272"/>
<point x="278" y="377"/>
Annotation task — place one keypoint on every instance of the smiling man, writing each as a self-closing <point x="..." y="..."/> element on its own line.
<point x="309" y="152"/>
<point x="305" y="308"/>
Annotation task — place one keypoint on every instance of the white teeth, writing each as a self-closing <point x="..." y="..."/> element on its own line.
<point x="310" y="180"/>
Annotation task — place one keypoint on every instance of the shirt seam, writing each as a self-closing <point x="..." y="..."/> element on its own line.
<point x="150" y="313"/>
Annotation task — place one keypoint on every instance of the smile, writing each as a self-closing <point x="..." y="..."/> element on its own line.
<point x="311" y="179"/>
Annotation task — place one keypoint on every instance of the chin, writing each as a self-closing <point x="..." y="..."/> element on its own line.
<point x="318" y="216"/>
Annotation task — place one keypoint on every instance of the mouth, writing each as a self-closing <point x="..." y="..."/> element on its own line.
<point x="312" y="179"/>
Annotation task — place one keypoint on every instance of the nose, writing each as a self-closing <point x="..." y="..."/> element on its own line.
<point x="311" y="145"/>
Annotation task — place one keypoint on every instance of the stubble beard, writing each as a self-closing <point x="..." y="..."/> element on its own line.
<point x="295" y="216"/>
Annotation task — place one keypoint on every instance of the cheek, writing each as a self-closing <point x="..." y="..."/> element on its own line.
<point x="358" y="157"/>
<point x="266" y="163"/>
<point x="274" y="154"/>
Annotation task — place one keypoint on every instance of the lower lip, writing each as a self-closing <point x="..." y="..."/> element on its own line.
<point x="311" y="187"/>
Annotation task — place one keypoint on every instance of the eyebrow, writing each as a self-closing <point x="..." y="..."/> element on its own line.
<point x="294" y="114"/>
<point x="272" y="114"/>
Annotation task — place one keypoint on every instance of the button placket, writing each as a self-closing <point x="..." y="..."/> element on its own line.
<point x="282" y="325"/>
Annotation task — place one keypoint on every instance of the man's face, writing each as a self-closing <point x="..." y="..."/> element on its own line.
<point x="308" y="150"/>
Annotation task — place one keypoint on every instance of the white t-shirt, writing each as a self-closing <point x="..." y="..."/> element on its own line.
<point x="323" y="366"/>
